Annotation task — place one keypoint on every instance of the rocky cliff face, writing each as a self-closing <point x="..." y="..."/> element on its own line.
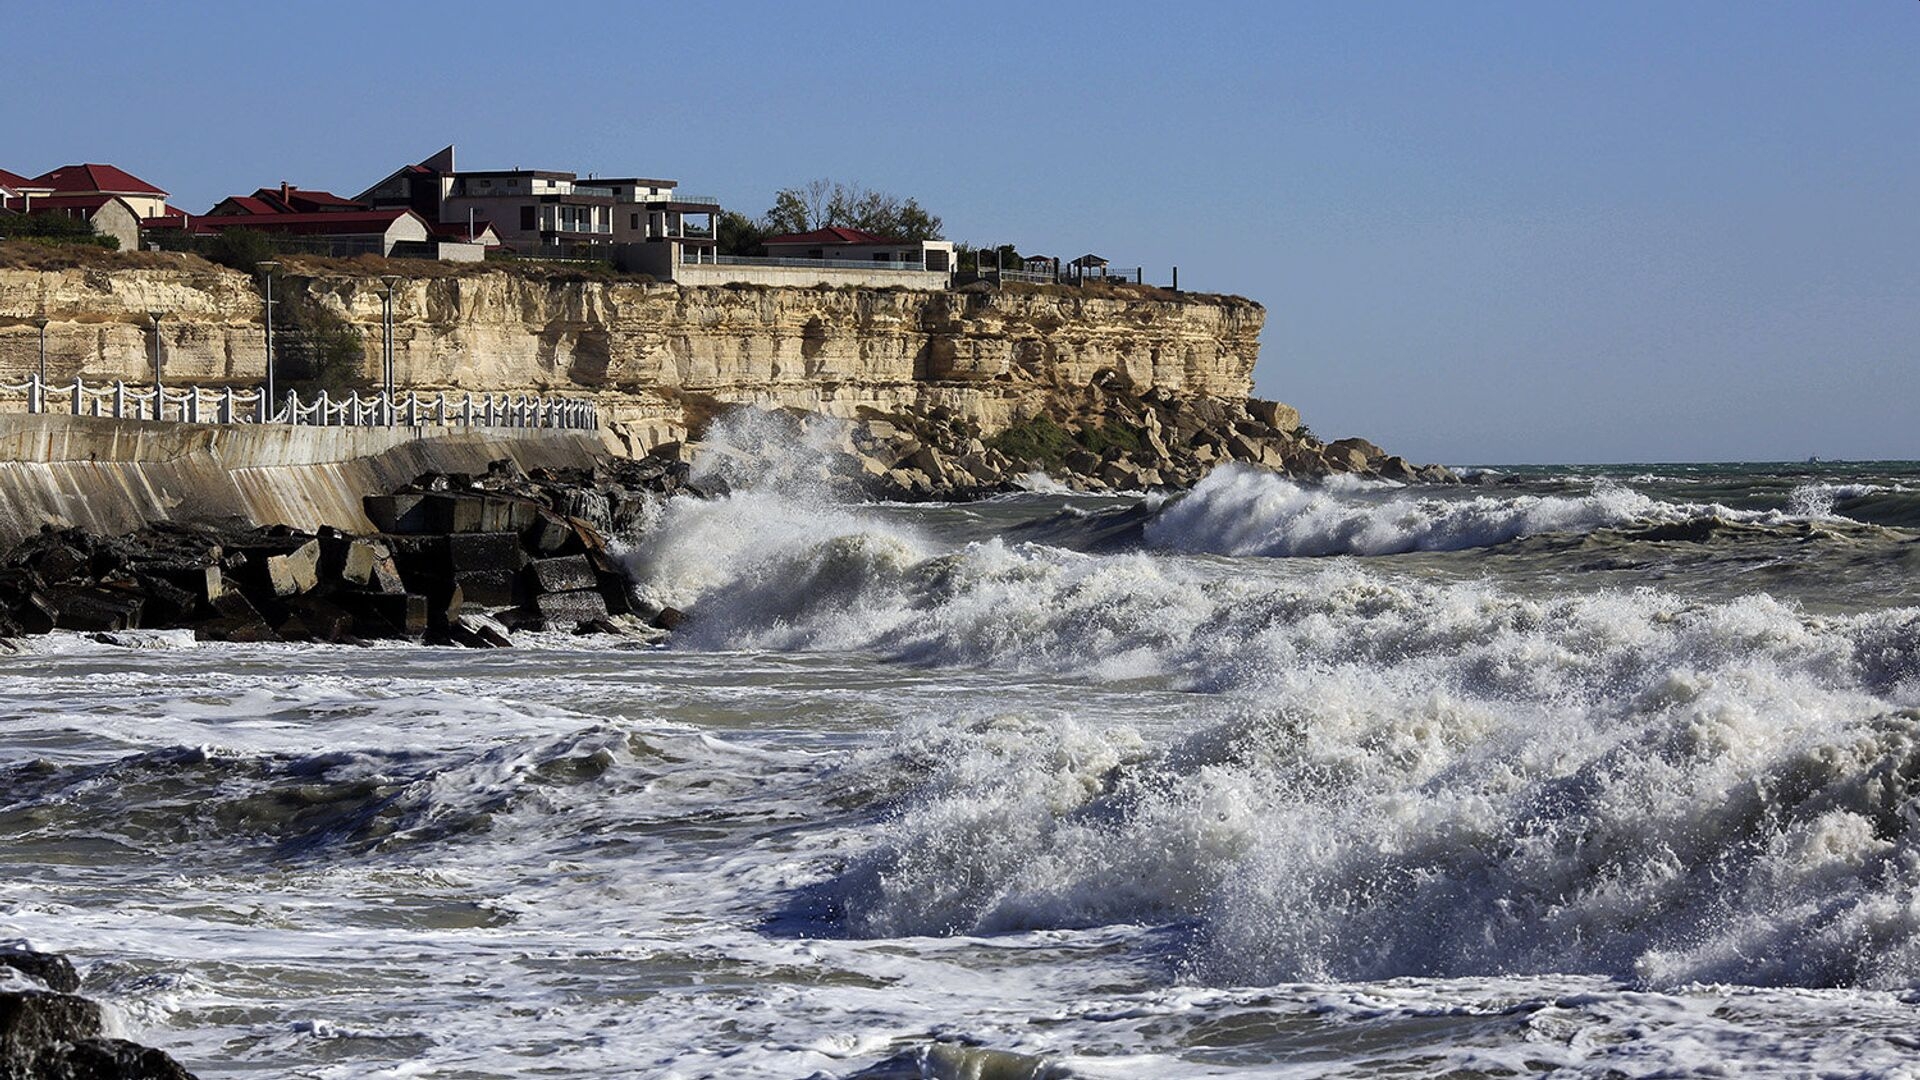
<point x="657" y="356"/>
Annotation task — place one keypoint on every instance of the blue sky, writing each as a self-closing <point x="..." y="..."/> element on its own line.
<point x="1484" y="232"/>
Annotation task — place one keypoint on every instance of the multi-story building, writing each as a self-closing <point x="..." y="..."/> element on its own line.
<point x="543" y="210"/>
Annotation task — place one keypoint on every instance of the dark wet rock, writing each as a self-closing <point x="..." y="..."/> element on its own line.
<point x="55" y="1034"/>
<point x="564" y="574"/>
<point x="52" y="970"/>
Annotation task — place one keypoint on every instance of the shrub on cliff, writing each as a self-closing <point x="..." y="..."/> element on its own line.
<point x="1038" y="440"/>
<point x="1106" y="436"/>
<point x="322" y="350"/>
<point x="240" y="249"/>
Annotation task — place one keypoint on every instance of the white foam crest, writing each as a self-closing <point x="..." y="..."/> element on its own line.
<point x="749" y="448"/>
<point x="1740" y="828"/>
<point x="1238" y="510"/>
<point x="1421" y="780"/>
<point x="1817" y="500"/>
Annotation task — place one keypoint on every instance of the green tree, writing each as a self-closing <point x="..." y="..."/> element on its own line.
<point x="821" y="203"/>
<point x="322" y="350"/>
<point x="740" y="234"/>
<point x="240" y="249"/>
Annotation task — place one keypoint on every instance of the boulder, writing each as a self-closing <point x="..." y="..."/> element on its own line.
<point x="1395" y="467"/>
<point x="1120" y="474"/>
<point x="296" y="572"/>
<point x="562" y="608"/>
<point x="928" y="460"/>
<point x="1084" y="462"/>
<point x="384" y="615"/>
<point x="1345" y="459"/>
<point x="52" y="970"/>
<point x="565" y="574"/>
<point x="1367" y="450"/>
<point x="403" y="513"/>
<point x="477" y="631"/>
<point x="47" y="1035"/>
<point x="312" y="618"/>
<point x="549" y="534"/>
<point x="1274" y="414"/>
<point x="484" y="551"/>
<point x="89" y="607"/>
<point x="489" y="588"/>
<point x="452" y="512"/>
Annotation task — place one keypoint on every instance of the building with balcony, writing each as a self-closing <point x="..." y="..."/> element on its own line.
<point x="544" y="211"/>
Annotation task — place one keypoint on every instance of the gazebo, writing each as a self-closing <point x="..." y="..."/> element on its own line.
<point x="1089" y="266"/>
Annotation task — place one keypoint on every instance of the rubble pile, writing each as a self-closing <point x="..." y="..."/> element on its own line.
<point x="454" y="560"/>
<point x="1107" y="441"/>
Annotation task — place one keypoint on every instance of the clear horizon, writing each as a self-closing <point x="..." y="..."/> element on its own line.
<point x="1483" y="232"/>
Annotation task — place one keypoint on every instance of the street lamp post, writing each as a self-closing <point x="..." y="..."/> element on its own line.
<point x="387" y="359"/>
<point x="41" y="322"/>
<point x="266" y="268"/>
<point x="159" y="394"/>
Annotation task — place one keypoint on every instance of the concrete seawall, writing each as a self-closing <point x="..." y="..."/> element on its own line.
<point x="112" y="476"/>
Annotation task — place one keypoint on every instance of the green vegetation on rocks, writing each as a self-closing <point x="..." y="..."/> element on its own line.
<point x="56" y="230"/>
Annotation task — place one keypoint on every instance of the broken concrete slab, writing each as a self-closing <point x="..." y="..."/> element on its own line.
<point x="565" y="574"/>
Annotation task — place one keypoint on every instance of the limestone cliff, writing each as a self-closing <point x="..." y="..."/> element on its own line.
<point x="654" y="355"/>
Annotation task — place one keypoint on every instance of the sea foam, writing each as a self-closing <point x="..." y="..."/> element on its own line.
<point x="1392" y="777"/>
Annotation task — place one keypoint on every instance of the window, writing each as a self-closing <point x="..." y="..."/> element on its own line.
<point x="526" y="218"/>
<point x="633" y="222"/>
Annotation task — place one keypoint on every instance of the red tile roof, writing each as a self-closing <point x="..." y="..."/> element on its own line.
<point x="330" y="222"/>
<point x="84" y="178"/>
<point x="832" y="234"/>
<point x="13" y="180"/>
<point x="299" y="201"/>
<point x="247" y="205"/>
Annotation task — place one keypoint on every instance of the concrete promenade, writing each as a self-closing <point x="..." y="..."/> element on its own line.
<point x="112" y="476"/>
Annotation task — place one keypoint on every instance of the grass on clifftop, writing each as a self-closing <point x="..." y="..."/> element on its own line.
<point x="28" y="255"/>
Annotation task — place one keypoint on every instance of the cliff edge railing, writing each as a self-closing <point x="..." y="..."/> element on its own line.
<point x="227" y="405"/>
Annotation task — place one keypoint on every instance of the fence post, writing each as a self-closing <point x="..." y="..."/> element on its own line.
<point x="79" y="396"/>
<point x="226" y="406"/>
<point x="190" y="407"/>
<point x="119" y="400"/>
<point x="489" y="410"/>
<point x="440" y="409"/>
<point x="320" y="417"/>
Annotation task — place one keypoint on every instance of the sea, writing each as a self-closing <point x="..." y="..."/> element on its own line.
<point x="1562" y="771"/>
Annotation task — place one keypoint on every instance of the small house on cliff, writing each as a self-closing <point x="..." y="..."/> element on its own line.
<point x="842" y="244"/>
<point x="324" y="222"/>
<point x="110" y="199"/>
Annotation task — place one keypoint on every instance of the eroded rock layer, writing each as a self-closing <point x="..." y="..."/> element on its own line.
<point x="657" y="356"/>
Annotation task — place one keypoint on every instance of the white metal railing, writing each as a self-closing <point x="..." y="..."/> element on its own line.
<point x="226" y="405"/>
